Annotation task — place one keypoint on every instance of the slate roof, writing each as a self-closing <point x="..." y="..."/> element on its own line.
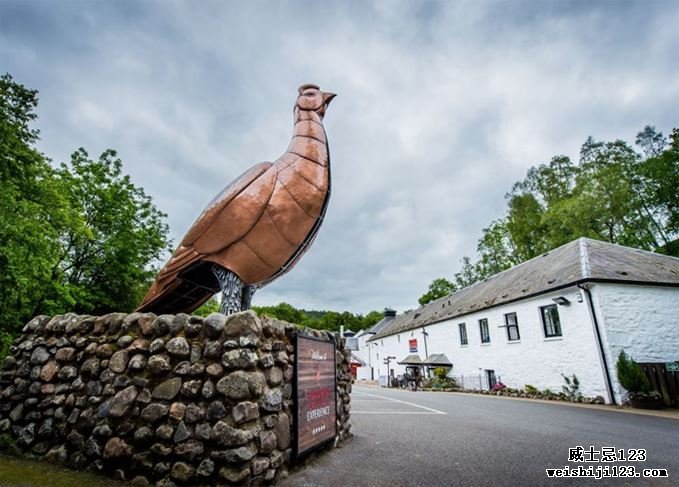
<point x="413" y="359"/>
<point x="437" y="359"/>
<point x="357" y="359"/>
<point x="578" y="261"/>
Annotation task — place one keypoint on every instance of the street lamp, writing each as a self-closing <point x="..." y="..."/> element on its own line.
<point x="387" y="361"/>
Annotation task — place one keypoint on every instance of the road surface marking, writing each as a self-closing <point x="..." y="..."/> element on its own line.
<point x="394" y="412"/>
<point x="431" y="411"/>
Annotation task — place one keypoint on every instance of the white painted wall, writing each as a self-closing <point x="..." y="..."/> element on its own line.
<point x="644" y="320"/>
<point x="365" y="354"/>
<point x="534" y="359"/>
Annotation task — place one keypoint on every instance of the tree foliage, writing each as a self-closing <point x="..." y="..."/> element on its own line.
<point x="81" y="237"/>
<point x="209" y="306"/>
<point x="630" y="375"/>
<point x="437" y="289"/>
<point x="321" y="320"/>
<point x="613" y="193"/>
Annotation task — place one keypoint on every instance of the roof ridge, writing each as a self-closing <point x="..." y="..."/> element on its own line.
<point x="512" y="268"/>
<point x="628" y="248"/>
<point x="584" y="258"/>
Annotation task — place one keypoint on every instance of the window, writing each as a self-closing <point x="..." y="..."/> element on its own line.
<point x="512" y="327"/>
<point x="550" y="321"/>
<point x="463" y="334"/>
<point x="398" y="337"/>
<point x="485" y="333"/>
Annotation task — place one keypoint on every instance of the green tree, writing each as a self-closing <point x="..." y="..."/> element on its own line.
<point x="115" y="232"/>
<point x="371" y="319"/>
<point x="208" y="307"/>
<point x="660" y="175"/>
<point x="613" y="194"/>
<point x="79" y="238"/>
<point x="437" y="289"/>
<point x="651" y="141"/>
<point x="31" y="208"/>
<point x="524" y="223"/>
<point x="282" y="311"/>
<point x="468" y="274"/>
<point x="495" y="249"/>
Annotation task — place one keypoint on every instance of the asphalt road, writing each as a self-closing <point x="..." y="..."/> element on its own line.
<point x="404" y="438"/>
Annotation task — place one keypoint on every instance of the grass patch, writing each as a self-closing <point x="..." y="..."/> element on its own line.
<point x="21" y="472"/>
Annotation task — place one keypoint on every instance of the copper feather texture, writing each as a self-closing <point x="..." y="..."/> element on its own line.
<point x="259" y="225"/>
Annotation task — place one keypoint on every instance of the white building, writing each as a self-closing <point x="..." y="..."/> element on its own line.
<point x="569" y="311"/>
<point x="369" y="356"/>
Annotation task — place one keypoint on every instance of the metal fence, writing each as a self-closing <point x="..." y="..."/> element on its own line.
<point x="479" y="382"/>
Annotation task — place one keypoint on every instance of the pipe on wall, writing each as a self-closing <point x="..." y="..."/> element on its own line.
<point x="602" y="352"/>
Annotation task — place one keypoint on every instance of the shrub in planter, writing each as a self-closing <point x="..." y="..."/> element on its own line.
<point x="530" y="389"/>
<point x="498" y="387"/>
<point x="632" y="377"/>
<point x="441" y="373"/>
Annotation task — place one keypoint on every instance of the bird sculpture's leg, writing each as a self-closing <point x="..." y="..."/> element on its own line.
<point x="232" y="290"/>
<point x="248" y="292"/>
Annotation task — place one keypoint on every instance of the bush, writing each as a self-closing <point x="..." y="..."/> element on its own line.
<point x="498" y="387"/>
<point x="631" y="376"/>
<point x="530" y="389"/>
<point x="441" y="373"/>
<point x="572" y="388"/>
<point x="5" y="343"/>
<point x="439" y="383"/>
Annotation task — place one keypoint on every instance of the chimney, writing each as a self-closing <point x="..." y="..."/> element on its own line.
<point x="389" y="313"/>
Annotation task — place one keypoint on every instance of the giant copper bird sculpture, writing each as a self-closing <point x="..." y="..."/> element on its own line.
<point x="257" y="228"/>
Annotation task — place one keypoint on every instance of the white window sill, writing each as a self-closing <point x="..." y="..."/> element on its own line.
<point x="553" y="339"/>
<point x="510" y="342"/>
<point x="464" y="346"/>
<point x="485" y="344"/>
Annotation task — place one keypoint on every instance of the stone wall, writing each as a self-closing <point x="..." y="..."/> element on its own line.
<point x="160" y="399"/>
<point x="642" y="320"/>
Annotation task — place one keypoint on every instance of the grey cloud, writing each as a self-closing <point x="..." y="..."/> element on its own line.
<point x="441" y="107"/>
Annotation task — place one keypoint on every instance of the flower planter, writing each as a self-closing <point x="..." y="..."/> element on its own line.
<point x="646" y="402"/>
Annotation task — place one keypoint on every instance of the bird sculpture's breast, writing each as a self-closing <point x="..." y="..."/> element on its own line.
<point x="289" y="219"/>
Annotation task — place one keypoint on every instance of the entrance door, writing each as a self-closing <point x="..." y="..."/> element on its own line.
<point x="490" y="374"/>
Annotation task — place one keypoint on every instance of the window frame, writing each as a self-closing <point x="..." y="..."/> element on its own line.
<point x="485" y="339"/>
<point x="543" y="309"/>
<point x="514" y="325"/>
<point x="462" y="330"/>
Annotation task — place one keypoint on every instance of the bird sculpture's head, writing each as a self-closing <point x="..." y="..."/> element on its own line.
<point x="311" y="98"/>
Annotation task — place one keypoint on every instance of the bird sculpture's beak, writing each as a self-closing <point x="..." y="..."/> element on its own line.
<point x="327" y="98"/>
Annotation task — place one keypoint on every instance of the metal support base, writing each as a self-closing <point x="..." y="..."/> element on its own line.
<point x="236" y="295"/>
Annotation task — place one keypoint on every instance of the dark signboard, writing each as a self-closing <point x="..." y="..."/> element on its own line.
<point x="315" y="391"/>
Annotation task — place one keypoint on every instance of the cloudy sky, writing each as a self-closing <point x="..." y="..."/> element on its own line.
<point x="441" y="107"/>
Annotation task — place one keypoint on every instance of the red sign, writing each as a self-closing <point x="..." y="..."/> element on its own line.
<point x="316" y="385"/>
<point x="412" y="344"/>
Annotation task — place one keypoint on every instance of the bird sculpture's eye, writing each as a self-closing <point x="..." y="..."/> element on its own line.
<point x="309" y="93"/>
